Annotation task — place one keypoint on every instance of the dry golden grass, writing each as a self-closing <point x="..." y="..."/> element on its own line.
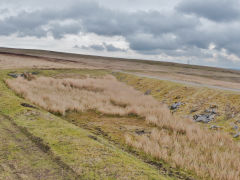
<point x="180" y="142"/>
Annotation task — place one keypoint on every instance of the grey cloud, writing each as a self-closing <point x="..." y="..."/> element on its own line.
<point x="101" y="47"/>
<point x="97" y="47"/>
<point x="4" y="11"/>
<point x="149" y="42"/>
<point x="26" y="24"/>
<point x="103" y="21"/>
<point x="179" y="32"/>
<point x="216" y="10"/>
<point x="59" y="30"/>
<point x="112" y="48"/>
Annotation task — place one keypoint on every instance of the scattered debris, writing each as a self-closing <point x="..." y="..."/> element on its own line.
<point x="28" y="105"/>
<point x="175" y="105"/>
<point x="148" y="92"/>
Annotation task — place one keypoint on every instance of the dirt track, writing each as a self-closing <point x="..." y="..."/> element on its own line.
<point x="183" y="82"/>
<point x="20" y="158"/>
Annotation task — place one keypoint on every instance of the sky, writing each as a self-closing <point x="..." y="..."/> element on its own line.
<point x="184" y="31"/>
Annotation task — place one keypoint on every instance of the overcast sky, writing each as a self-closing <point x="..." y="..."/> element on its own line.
<point x="198" y="32"/>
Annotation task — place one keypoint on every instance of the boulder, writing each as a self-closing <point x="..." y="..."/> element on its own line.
<point x="175" y="105"/>
<point x="204" y="118"/>
<point x="14" y="75"/>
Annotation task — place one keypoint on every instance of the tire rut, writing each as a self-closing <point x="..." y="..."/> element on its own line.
<point x="19" y="153"/>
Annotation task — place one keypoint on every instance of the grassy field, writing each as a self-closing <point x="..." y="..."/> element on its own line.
<point x="82" y="123"/>
<point x="101" y="95"/>
<point x="69" y="146"/>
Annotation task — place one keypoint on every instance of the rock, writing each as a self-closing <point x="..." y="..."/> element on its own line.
<point x="207" y="116"/>
<point x="141" y="132"/>
<point x="204" y="118"/>
<point x="201" y="118"/>
<point x="13" y="75"/>
<point x="27" y="105"/>
<point x="236" y="135"/>
<point x="212" y="111"/>
<point x="148" y="92"/>
<point x="158" y="90"/>
<point x="175" y="105"/>
<point x="215" y="127"/>
<point x="35" y="73"/>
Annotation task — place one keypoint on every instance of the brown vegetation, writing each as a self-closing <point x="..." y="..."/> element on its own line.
<point x="10" y="58"/>
<point x="179" y="141"/>
<point x="13" y="61"/>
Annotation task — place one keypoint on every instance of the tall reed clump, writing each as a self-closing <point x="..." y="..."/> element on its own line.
<point x="180" y="142"/>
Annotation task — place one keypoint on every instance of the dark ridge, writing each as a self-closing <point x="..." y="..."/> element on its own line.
<point x="46" y="55"/>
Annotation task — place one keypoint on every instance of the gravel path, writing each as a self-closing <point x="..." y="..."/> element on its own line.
<point x="182" y="82"/>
